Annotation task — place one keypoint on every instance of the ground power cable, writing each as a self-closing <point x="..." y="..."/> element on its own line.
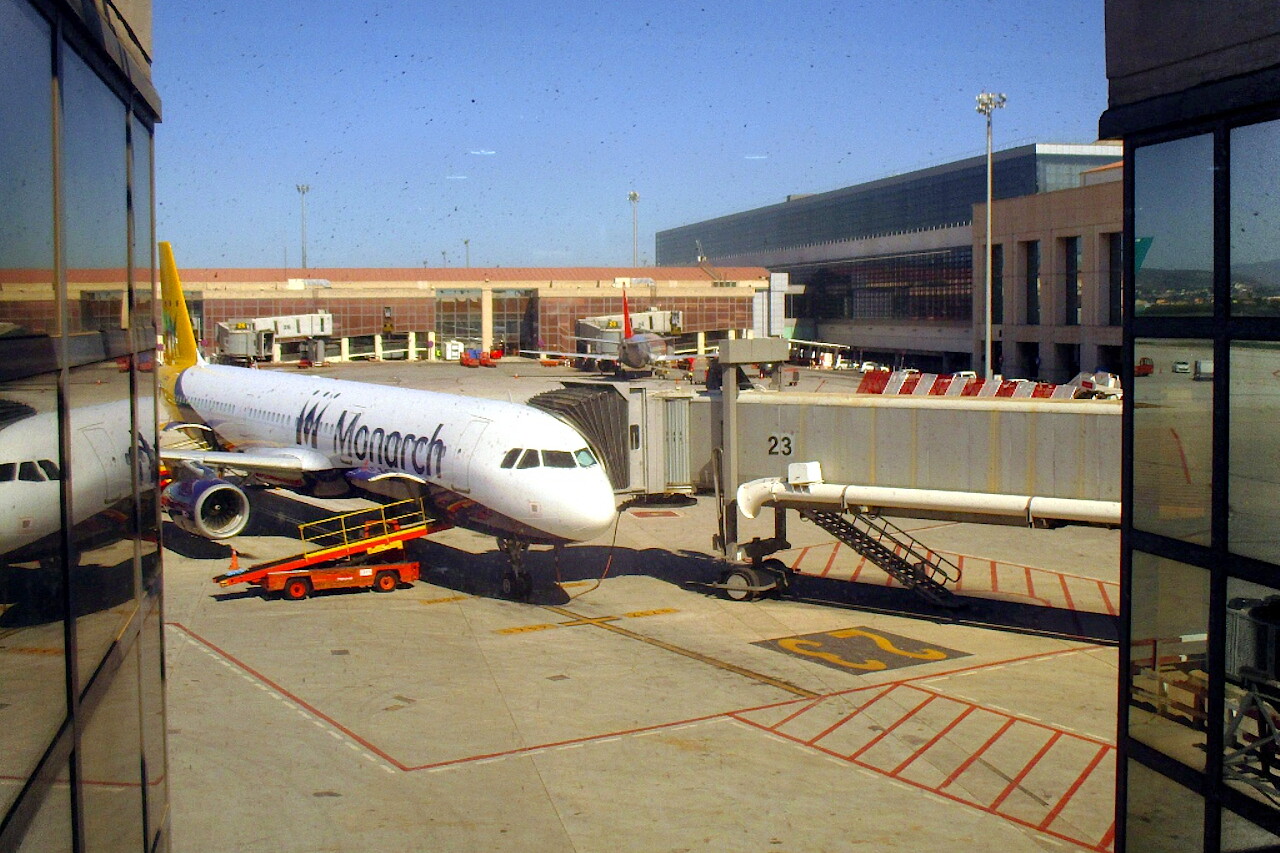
<point x="608" y="563"/>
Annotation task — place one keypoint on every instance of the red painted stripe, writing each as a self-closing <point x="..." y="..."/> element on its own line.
<point x="1031" y="585"/>
<point x="835" y="548"/>
<point x="1106" y="599"/>
<point x="856" y="711"/>
<point x="804" y="707"/>
<point x="884" y="734"/>
<point x="1071" y="605"/>
<point x="1075" y="786"/>
<point x="858" y="569"/>
<point x="1017" y="780"/>
<point x="1108" y="839"/>
<point x="800" y="558"/>
<point x="995" y="581"/>
<point x="964" y="765"/>
<point x="1182" y="454"/>
<point x="939" y="736"/>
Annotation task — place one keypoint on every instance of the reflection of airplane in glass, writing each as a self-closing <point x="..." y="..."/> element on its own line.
<point x="635" y="351"/>
<point x="30" y="476"/>
<point x="505" y="469"/>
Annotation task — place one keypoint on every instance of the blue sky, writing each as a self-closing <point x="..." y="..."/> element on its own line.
<point x="521" y="127"/>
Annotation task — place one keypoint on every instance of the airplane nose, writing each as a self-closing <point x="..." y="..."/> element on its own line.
<point x="592" y="511"/>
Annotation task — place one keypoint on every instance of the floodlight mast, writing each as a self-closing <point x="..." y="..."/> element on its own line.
<point x="988" y="102"/>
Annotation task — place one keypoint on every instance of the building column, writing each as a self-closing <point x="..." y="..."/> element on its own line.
<point x="486" y="319"/>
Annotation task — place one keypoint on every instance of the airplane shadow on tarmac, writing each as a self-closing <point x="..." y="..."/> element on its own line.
<point x="480" y="574"/>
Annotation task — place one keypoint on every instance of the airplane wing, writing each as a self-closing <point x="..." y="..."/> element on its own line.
<point x="285" y="460"/>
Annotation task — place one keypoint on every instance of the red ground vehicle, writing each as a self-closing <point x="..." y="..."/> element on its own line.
<point x="1144" y="367"/>
<point x="340" y="548"/>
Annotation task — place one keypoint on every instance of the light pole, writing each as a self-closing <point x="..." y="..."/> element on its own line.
<point x="987" y="103"/>
<point x="303" y="189"/>
<point x="634" y="198"/>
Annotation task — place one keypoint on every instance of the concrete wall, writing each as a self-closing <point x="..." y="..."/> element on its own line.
<point x="1158" y="47"/>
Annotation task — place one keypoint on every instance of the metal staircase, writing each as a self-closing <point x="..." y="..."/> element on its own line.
<point x="891" y="548"/>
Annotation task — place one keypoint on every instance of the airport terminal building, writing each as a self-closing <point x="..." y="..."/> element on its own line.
<point x="888" y="267"/>
<point x="488" y="308"/>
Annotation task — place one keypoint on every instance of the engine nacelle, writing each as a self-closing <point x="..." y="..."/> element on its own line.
<point x="214" y="509"/>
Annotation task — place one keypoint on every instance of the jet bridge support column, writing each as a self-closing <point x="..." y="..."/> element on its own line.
<point x="734" y="354"/>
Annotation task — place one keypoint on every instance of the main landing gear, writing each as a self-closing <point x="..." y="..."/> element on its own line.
<point x="516" y="582"/>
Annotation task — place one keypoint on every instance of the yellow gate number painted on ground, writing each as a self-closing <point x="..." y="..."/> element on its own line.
<point x="812" y="648"/>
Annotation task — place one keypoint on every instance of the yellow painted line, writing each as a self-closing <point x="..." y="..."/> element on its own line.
<point x="572" y="584"/>
<point x="599" y="620"/>
<point x="587" y="620"/>
<point x="444" y="600"/>
<point x="690" y="653"/>
<point x="526" y="629"/>
<point x="25" y="650"/>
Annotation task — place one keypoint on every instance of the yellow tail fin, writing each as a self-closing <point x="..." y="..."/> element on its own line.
<point x="180" y="350"/>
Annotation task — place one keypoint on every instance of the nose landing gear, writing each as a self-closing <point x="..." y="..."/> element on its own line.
<point x="516" y="582"/>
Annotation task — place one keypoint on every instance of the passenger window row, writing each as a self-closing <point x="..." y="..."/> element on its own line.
<point x="31" y="472"/>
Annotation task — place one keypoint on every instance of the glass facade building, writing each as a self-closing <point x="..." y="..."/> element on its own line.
<point x="82" y="725"/>
<point x="893" y="252"/>
<point x="1198" y="105"/>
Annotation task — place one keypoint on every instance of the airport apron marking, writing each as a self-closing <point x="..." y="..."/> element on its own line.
<point x="861" y="650"/>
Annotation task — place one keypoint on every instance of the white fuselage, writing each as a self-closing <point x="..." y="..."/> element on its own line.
<point x="31" y="469"/>
<point x="449" y="446"/>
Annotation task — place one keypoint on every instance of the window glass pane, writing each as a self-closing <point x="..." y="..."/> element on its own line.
<point x="111" y="796"/>
<point x="143" y="319"/>
<point x="51" y="827"/>
<point x="510" y="459"/>
<point x="558" y="459"/>
<point x="1255" y="219"/>
<point x="104" y="585"/>
<point x="1163" y="816"/>
<point x="95" y="205"/>
<point x="33" y="701"/>
<point x="1173" y="227"/>
<point x="1031" y="280"/>
<point x="26" y="185"/>
<point x="1239" y="834"/>
<point x="1252" y="691"/>
<point x="1173" y="438"/>
<point x="585" y="458"/>
<point x="1254" y="473"/>
<point x="152" y="704"/>
<point x="1168" y="688"/>
<point x="529" y="460"/>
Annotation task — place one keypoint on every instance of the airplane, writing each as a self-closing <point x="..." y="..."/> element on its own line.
<point x="636" y="351"/>
<point x="31" y="478"/>
<point x="499" y="468"/>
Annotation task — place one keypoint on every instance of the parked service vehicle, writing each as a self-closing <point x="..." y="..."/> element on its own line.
<point x="1144" y="367"/>
<point x="1203" y="369"/>
<point x="1181" y="367"/>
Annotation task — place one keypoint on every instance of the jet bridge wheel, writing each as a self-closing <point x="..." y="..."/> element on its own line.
<point x="738" y="583"/>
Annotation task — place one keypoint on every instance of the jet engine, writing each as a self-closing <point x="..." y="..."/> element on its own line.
<point x="214" y="509"/>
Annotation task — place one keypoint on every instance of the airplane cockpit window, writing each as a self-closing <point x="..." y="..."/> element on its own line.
<point x="529" y="460"/>
<point x="8" y="472"/>
<point x="50" y="469"/>
<point x="558" y="459"/>
<point x="585" y="458"/>
<point x="29" y="472"/>
<point x="509" y="460"/>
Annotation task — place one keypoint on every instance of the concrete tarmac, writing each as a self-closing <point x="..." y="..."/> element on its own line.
<point x="625" y="707"/>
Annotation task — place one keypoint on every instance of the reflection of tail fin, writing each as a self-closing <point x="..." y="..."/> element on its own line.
<point x="180" y="349"/>
<point x="626" y="318"/>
